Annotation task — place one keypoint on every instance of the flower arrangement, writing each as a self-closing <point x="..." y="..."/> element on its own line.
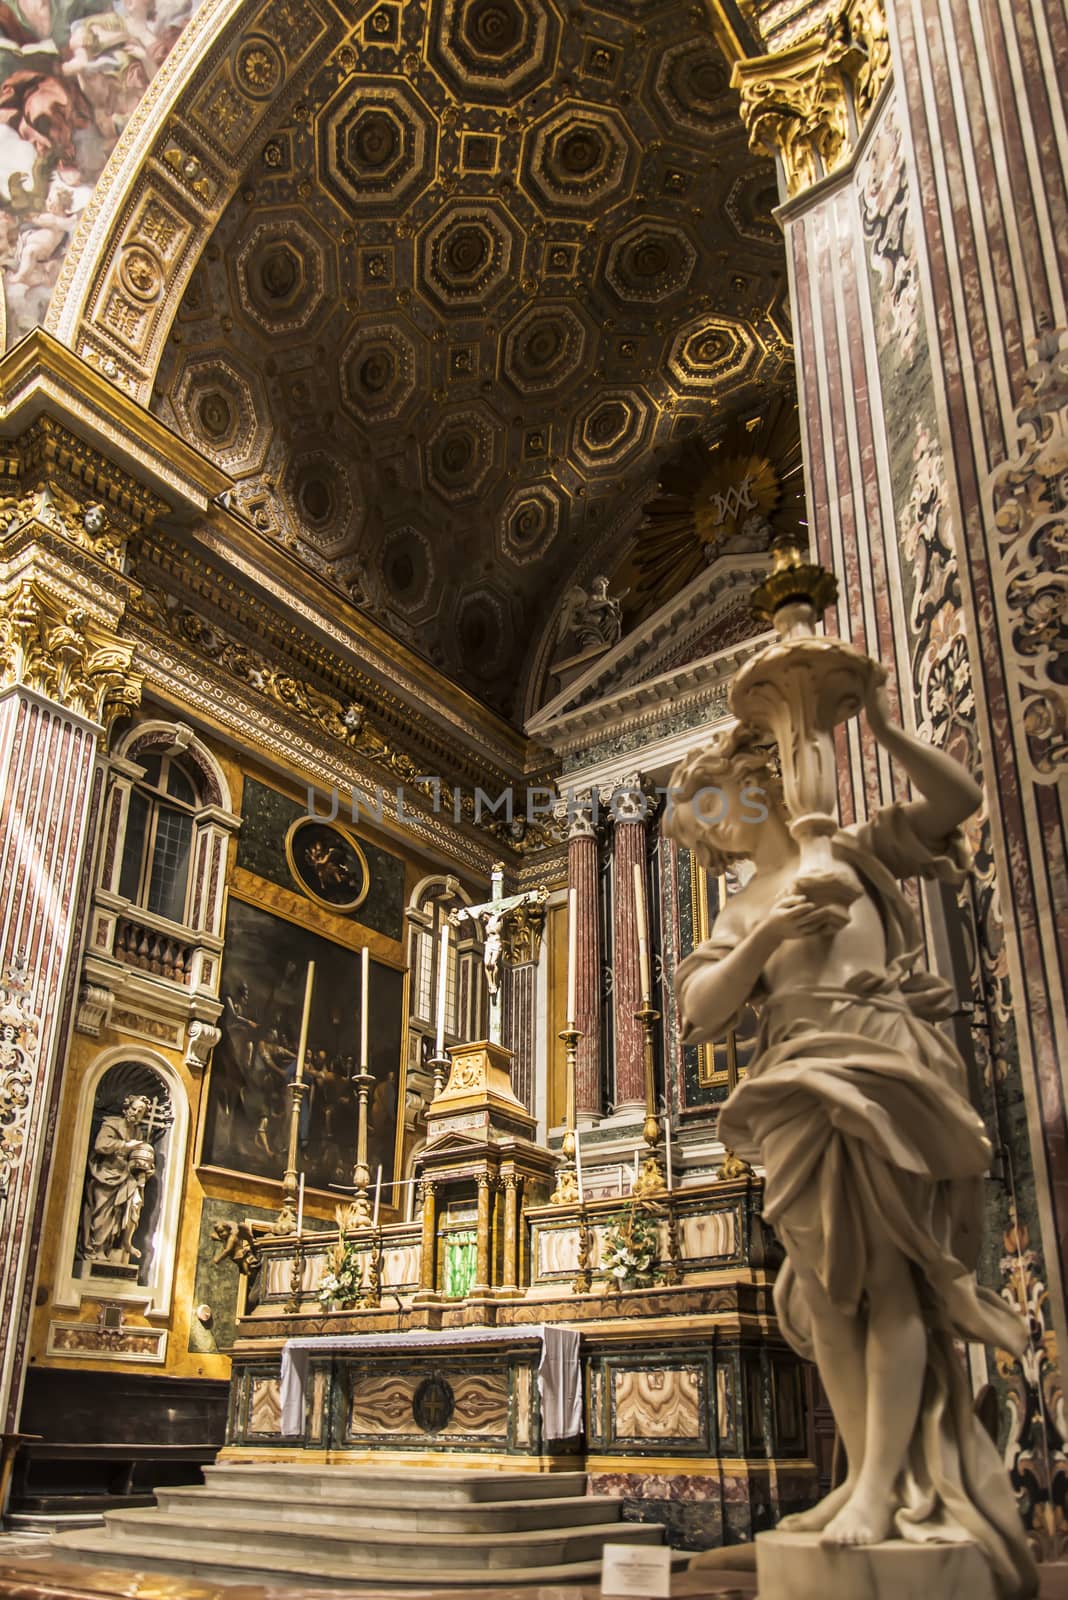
<point x="630" y="1246"/>
<point x="341" y="1285"/>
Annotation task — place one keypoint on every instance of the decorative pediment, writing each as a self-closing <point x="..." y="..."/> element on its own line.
<point x="684" y="652"/>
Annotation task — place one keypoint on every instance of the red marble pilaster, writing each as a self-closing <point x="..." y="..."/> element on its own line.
<point x="628" y="848"/>
<point x="46" y="814"/>
<point x="582" y="876"/>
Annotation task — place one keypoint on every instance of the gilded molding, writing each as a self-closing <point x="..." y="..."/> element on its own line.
<point x="61" y="654"/>
<point x="808" y="104"/>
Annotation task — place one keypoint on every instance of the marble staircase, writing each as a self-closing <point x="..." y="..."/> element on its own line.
<point x="355" y="1525"/>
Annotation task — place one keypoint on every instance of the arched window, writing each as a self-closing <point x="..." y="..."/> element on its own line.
<point x="426" y="967"/>
<point x="157" y="850"/>
<point x="429" y="908"/>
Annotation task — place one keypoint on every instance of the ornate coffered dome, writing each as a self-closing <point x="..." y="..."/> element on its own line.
<point x="488" y="261"/>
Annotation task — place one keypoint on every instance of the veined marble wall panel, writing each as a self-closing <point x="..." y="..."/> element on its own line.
<point x="905" y="511"/>
<point x="661" y="1403"/>
<point x="986" y="149"/>
<point x="50" y="799"/>
<point x="264" y="1407"/>
<point x="383" y="1404"/>
<point x="481" y="1405"/>
<point x="706" y="1234"/>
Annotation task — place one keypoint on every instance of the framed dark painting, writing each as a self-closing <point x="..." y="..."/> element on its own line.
<point x="246" y="1124"/>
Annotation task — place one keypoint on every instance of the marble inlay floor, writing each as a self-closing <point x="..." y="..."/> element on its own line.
<point x="28" y="1571"/>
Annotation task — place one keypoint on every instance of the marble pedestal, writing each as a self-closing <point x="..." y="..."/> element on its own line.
<point x="795" y="1566"/>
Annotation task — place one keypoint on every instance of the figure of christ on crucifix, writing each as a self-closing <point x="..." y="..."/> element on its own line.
<point x="496" y="918"/>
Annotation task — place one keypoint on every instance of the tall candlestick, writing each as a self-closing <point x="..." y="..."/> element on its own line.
<point x="667" y="1141"/>
<point x="578" y="1165"/>
<point x="309" y="983"/>
<point x="572" y="954"/>
<point x="643" y="936"/>
<point x="300" y="1205"/>
<point x="365" y="1002"/>
<point x="443" y="980"/>
<point x="378" y="1196"/>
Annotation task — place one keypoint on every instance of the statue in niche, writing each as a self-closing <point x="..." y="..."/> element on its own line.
<point x="856" y="1105"/>
<point x="591" y="619"/>
<point x="120" y="1164"/>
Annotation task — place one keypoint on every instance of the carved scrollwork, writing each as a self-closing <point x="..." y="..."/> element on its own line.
<point x="19" y="1029"/>
<point x="65" y="656"/>
<point x="1030" y="503"/>
<point x="808" y="104"/>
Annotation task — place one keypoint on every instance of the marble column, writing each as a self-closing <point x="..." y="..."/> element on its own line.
<point x="629" y="810"/>
<point x="922" y="155"/>
<point x="483" y="1235"/>
<point x="65" y="678"/>
<point x="428" y="1270"/>
<point x="583" y="877"/>
<point x="509" y="1267"/>
<point x="518" y="1023"/>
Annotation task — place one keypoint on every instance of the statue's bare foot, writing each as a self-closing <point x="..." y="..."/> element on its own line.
<point x="864" y="1519"/>
<point x="816" y="1518"/>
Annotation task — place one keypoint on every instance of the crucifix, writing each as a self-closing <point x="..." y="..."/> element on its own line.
<point x="511" y="930"/>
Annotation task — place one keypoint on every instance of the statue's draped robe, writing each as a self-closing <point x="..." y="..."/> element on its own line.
<point x="113" y="1196"/>
<point x="857" y="1107"/>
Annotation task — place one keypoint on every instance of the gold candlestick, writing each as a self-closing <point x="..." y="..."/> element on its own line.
<point x="296" y="1280"/>
<point x="442" y="1067"/>
<point x="361" y="1172"/>
<point x="797" y="691"/>
<point x="566" y="1191"/>
<point x="372" y="1294"/>
<point x="287" y="1217"/>
<point x="651" y="1178"/>
<point x="584" y="1280"/>
<point x="733" y="1166"/>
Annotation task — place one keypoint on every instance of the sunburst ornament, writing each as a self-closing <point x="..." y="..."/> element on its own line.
<point x="741" y="492"/>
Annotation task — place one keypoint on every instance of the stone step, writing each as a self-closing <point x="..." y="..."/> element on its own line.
<point x="412" y="1485"/>
<point x="315" y="1567"/>
<point x="367" y="1507"/>
<point x="272" y="1536"/>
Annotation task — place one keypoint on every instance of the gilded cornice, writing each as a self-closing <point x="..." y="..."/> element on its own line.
<point x="40" y="377"/>
<point x="62" y="654"/>
<point x="182" y="627"/>
<point x="808" y="104"/>
<point x="181" y="577"/>
<point x="353" y="634"/>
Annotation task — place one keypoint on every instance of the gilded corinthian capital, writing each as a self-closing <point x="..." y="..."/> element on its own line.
<point x="64" y="655"/>
<point x="808" y="104"/>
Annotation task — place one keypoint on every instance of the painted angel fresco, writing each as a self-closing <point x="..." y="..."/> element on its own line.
<point x="71" y="75"/>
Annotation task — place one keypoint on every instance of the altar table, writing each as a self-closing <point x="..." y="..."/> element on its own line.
<point x="559" y="1373"/>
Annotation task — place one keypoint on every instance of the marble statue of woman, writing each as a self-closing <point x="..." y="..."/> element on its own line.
<point x="120" y="1164"/>
<point x="856" y="1106"/>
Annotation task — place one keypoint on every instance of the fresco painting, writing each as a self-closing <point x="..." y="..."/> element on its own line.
<point x="71" y="75"/>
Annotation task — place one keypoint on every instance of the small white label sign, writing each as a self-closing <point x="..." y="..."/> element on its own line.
<point x="637" y="1569"/>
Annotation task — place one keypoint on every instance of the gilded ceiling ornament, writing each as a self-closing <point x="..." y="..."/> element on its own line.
<point x="735" y="496"/>
<point x="808" y="104"/>
<point x="65" y="656"/>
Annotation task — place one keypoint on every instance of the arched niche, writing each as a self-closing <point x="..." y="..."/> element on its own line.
<point x="115" y="1244"/>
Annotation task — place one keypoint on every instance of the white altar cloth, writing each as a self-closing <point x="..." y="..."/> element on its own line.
<point x="559" y="1374"/>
